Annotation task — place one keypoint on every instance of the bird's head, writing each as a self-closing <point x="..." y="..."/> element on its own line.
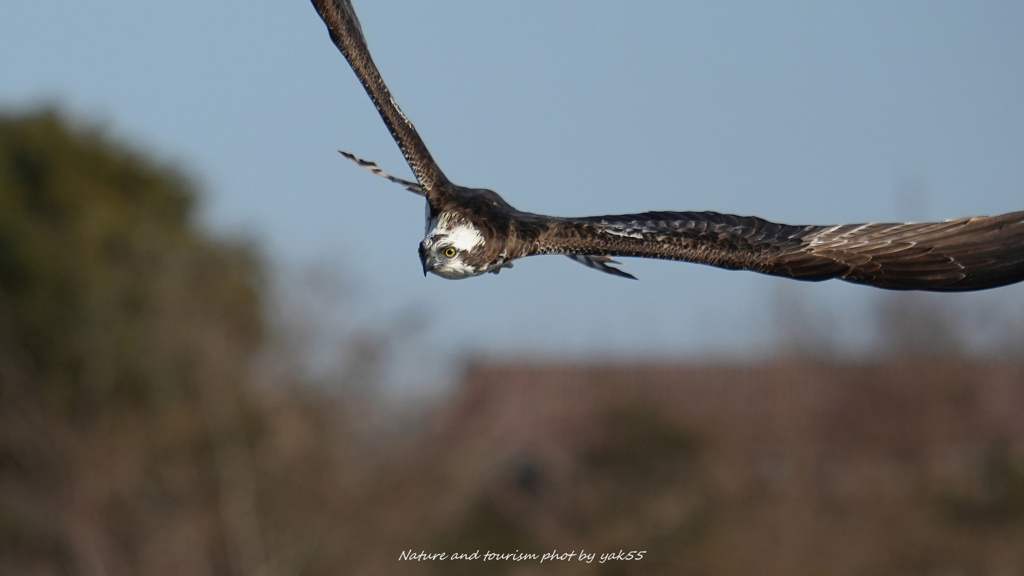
<point x="449" y="246"/>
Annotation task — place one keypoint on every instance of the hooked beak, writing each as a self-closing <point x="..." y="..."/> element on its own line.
<point x="428" y="262"/>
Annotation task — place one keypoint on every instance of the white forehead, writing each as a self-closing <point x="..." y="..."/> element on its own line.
<point x="462" y="235"/>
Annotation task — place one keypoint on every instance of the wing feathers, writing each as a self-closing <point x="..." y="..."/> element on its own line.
<point x="370" y="165"/>
<point x="962" y="254"/>
<point x="345" y="31"/>
<point x="602" y="263"/>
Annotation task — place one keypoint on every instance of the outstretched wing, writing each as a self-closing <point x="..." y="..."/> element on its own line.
<point x="954" y="255"/>
<point x="343" y="26"/>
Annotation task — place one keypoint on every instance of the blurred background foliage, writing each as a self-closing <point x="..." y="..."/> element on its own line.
<point x="157" y="416"/>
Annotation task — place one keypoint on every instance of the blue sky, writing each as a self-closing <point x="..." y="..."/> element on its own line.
<point x="800" y="112"/>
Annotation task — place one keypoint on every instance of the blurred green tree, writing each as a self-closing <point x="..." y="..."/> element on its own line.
<point x="126" y="334"/>
<point x="100" y="255"/>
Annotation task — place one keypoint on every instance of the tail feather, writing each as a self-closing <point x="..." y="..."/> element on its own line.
<point x="409" y="185"/>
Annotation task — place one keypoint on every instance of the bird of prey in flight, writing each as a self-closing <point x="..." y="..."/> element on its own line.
<point x="471" y="231"/>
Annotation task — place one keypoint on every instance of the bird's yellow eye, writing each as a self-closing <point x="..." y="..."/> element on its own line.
<point x="449" y="252"/>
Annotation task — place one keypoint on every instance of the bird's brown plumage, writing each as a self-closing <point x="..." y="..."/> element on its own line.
<point x="962" y="254"/>
<point x="347" y="34"/>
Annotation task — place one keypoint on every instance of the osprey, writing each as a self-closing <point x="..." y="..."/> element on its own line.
<point x="471" y="231"/>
